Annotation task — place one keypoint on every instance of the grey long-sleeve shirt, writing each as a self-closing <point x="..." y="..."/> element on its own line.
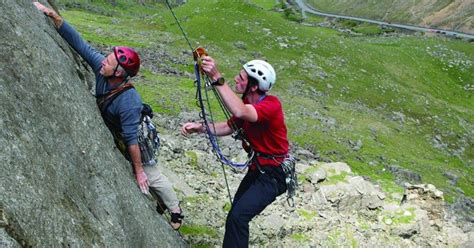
<point x="127" y="107"/>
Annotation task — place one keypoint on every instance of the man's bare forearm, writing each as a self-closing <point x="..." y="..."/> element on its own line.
<point x="135" y="157"/>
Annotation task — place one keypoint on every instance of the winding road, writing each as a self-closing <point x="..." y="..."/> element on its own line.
<point x="307" y="8"/>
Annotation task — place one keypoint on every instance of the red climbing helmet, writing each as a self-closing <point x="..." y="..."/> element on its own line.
<point x="128" y="59"/>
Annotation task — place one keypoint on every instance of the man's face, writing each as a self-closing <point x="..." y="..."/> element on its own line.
<point x="108" y="65"/>
<point x="241" y="81"/>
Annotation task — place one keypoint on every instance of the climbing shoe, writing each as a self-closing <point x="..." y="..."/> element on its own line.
<point x="176" y="220"/>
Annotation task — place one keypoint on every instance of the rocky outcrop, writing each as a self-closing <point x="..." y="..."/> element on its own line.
<point x="62" y="183"/>
<point x="334" y="207"/>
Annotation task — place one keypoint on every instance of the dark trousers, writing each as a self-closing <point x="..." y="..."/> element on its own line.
<point x="255" y="193"/>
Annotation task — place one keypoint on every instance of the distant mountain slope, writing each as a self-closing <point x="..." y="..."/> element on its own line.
<point x="447" y="14"/>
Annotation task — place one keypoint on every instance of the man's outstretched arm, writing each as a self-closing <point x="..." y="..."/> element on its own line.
<point x="89" y="54"/>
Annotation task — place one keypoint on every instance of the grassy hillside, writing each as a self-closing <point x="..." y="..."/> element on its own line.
<point x="375" y="102"/>
<point x="448" y="14"/>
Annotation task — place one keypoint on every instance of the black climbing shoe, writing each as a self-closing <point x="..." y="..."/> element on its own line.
<point x="176" y="220"/>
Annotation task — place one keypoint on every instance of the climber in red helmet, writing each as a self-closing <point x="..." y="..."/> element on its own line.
<point x="121" y="109"/>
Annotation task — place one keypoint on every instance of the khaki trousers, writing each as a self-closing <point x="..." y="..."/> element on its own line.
<point x="160" y="184"/>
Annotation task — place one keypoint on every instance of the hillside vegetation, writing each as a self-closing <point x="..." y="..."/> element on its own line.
<point x="395" y="108"/>
<point x="446" y="14"/>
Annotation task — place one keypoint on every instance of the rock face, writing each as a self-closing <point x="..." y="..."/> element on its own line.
<point x="62" y="183"/>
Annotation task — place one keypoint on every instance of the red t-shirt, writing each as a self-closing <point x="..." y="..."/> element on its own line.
<point x="268" y="134"/>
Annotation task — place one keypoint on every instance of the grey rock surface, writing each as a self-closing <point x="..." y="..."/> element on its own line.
<point x="61" y="181"/>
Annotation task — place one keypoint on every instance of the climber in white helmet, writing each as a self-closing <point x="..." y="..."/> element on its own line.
<point x="261" y="118"/>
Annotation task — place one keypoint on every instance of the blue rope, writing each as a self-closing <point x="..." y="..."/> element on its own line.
<point x="212" y="137"/>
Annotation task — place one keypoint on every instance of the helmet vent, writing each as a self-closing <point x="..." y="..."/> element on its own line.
<point x="262" y="72"/>
<point x="128" y="59"/>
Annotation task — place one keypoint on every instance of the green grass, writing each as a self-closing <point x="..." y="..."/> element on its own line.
<point x="307" y="214"/>
<point x="193" y="160"/>
<point x="156" y="90"/>
<point x="400" y="216"/>
<point x="336" y="89"/>
<point x="226" y="207"/>
<point x="368" y="29"/>
<point x="196" y="230"/>
<point x="343" y="238"/>
<point x="314" y="19"/>
<point x="103" y="29"/>
<point x="196" y="199"/>
<point x="300" y="237"/>
<point x="335" y="179"/>
<point x="265" y="4"/>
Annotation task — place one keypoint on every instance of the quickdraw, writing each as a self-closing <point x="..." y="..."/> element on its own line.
<point x="288" y="166"/>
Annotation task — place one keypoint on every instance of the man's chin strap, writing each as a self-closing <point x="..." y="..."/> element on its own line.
<point x="115" y="70"/>
<point x="125" y="79"/>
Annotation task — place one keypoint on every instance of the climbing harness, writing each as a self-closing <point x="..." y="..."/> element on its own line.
<point x="288" y="167"/>
<point x="148" y="139"/>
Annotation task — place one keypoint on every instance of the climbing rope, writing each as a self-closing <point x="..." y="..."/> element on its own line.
<point x="288" y="164"/>
<point x="179" y="25"/>
<point x="203" y="100"/>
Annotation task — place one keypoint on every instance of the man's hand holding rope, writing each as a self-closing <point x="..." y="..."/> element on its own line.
<point x="209" y="66"/>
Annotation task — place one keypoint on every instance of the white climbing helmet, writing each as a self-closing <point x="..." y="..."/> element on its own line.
<point x="263" y="72"/>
